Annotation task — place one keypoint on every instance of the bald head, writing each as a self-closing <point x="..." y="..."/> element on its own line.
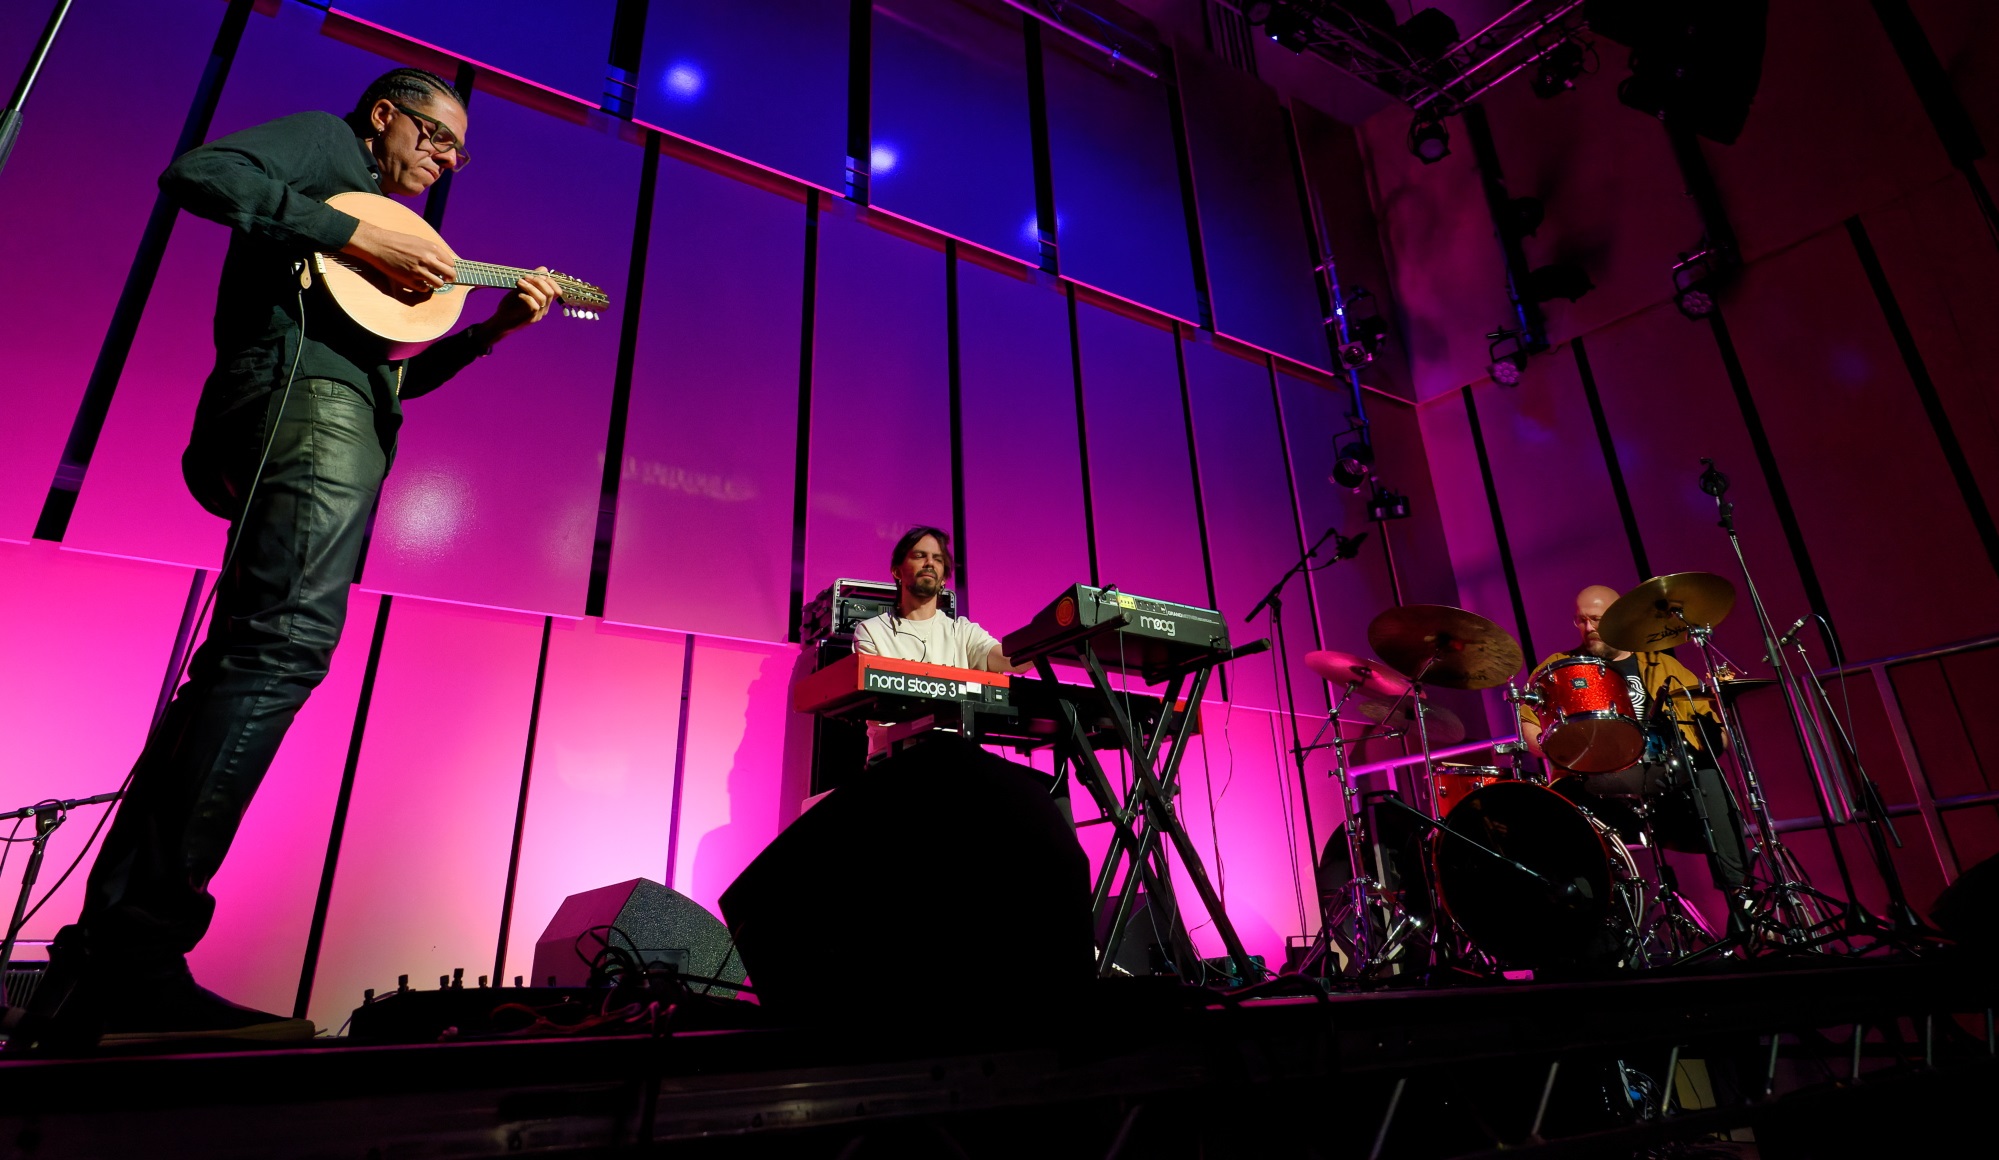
<point x="1591" y="603"/>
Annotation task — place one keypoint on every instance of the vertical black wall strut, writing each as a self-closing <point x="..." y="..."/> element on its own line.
<point x="1499" y="529"/>
<point x="1610" y="462"/>
<point x="621" y="383"/>
<point x="802" y="464"/>
<point x="1183" y="157"/>
<point x="1037" y="128"/>
<point x="1082" y="432"/>
<point x="95" y="405"/>
<point x="860" y="98"/>
<point x="316" y="933"/>
<point x="960" y="566"/>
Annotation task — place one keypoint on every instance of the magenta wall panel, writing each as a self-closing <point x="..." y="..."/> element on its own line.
<point x="133" y="501"/>
<point x="1246" y="497"/>
<point x="881" y="450"/>
<point x="1834" y="393"/>
<point x="733" y="797"/>
<point x="1468" y="529"/>
<point x="1554" y="493"/>
<point x="84" y="647"/>
<point x="566" y="47"/>
<point x="52" y="340"/>
<point x="423" y="866"/>
<point x="1329" y="607"/>
<point x="1655" y="355"/>
<point x="1259" y="256"/>
<point x="1616" y="203"/>
<point x="1402" y="464"/>
<point x="1944" y="273"/>
<point x="1836" y="127"/>
<point x="493" y="498"/>
<point x="772" y="90"/>
<point x="1141" y="481"/>
<point x="1119" y="219"/>
<point x="1450" y="281"/>
<point x="718" y="349"/>
<point x="950" y="126"/>
<point x="600" y="799"/>
<point x="267" y="888"/>
<point x="1024" y="538"/>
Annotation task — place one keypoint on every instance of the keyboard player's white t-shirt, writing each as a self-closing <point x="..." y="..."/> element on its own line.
<point x="936" y="640"/>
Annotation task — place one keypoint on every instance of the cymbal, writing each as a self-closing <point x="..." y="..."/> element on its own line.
<point x="1375" y="678"/>
<point x="1654" y="616"/>
<point x="1464" y="649"/>
<point x="1443" y="726"/>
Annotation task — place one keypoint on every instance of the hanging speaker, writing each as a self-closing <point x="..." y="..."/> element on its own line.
<point x="643" y="919"/>
<point x="941" y="883"/>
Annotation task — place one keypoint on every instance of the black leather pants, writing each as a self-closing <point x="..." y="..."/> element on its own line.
<point x="279" y="608"/>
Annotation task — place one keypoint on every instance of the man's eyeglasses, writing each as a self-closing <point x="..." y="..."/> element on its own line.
<point x="437" y="135"/>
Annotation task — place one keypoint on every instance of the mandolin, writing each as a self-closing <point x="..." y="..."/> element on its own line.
<point x="409" y="320"/>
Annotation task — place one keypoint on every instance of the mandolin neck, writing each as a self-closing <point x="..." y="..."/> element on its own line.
<point x="487" y="274"/>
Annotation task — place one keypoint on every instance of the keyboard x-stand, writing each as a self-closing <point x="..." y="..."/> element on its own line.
<point x="1181" y="646"/>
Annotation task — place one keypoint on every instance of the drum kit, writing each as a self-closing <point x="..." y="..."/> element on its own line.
<point x="1485" y="868"/>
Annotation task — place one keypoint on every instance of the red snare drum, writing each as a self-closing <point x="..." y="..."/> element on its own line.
<point x="1455" y="783"/>
<point x="1588" y="725"/>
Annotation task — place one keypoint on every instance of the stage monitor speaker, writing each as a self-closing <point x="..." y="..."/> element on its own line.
<point x="663" y="926"/>
<point x="941" y="883"/>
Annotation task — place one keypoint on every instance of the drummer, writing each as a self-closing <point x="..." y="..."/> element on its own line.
<point x="1656" y="679"/>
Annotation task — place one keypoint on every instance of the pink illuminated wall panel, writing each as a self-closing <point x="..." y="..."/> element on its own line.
<point x="84" y="647"/>
<point x="1615" y="200"/>
<point x="1635" y="363"/>
<point x="1024" y="538"/>
<point x="1141" y="480"/>
<point x="1836" y="127"/>
<point x="735" y="796"/>
<point x="705" y="510"/>
<point x="1833" y="393"/>
<point x="267" y="888"/>
<point x="881" y="450"/>
<point x="1252" y="520"/>
<point x="1945" y="277"/>
<point x="1445" y="262"/>
<point x="493" y="498"/>
<point x="1259" y="255"/>
<point x="423" y="866"/>
<point x="600" y="800"/>
<point x="1554" y="492"/>
<point x="52" y="340"/>
<point x="134" y="502"/>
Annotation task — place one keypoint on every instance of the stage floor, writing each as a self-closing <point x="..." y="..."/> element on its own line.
<point x="1145" y="1068"/>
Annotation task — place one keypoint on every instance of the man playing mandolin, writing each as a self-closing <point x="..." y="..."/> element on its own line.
<point x="294" y="432"/>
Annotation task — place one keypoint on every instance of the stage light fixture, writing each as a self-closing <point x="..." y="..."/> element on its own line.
<point x="1506" y="357"/>
<point x="1695" y="279"/>
<point x="1429" y="140"/>
<point x="1386" y="505"/>
<point x="1258" y="11"/>
<point x="1557" y="280"/>
<point x="1559" y="70"/>
<point x="1355" y="355"/>
<point x="1354" y="464"/>
<point x="1365" y="324"/>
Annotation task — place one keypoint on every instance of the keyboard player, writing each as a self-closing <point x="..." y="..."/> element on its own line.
<point x="917" y="630"/>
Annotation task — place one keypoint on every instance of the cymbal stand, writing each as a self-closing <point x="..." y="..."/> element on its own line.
<point x="1772" y="908"/>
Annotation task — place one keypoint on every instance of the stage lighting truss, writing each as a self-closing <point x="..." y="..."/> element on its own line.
<point x="1435" y="83"/>
<point x="1129" y="48"/>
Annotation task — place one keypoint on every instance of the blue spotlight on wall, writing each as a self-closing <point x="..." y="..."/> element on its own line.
<point x="683" y="81"/>
<point x="882" y="158"/>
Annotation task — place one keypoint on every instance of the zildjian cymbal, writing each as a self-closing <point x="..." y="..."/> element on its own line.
<point x="1444" y="646"/>
<point x="1443" y="726"/>
<point x="1374" y="678"/>
<point x="1655" y="615"/>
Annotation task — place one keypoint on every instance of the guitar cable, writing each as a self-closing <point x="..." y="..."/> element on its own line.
<point x="207" y="603"/>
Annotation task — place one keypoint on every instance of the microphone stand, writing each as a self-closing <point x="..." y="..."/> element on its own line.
<point x="48" y="815"/>
<point x="1343" y="549"/>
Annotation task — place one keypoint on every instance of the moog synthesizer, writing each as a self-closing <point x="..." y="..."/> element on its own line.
<point x="1127" y="632"/>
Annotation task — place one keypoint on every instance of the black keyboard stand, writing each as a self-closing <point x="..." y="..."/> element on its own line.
<point x="1146" y="810"/>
